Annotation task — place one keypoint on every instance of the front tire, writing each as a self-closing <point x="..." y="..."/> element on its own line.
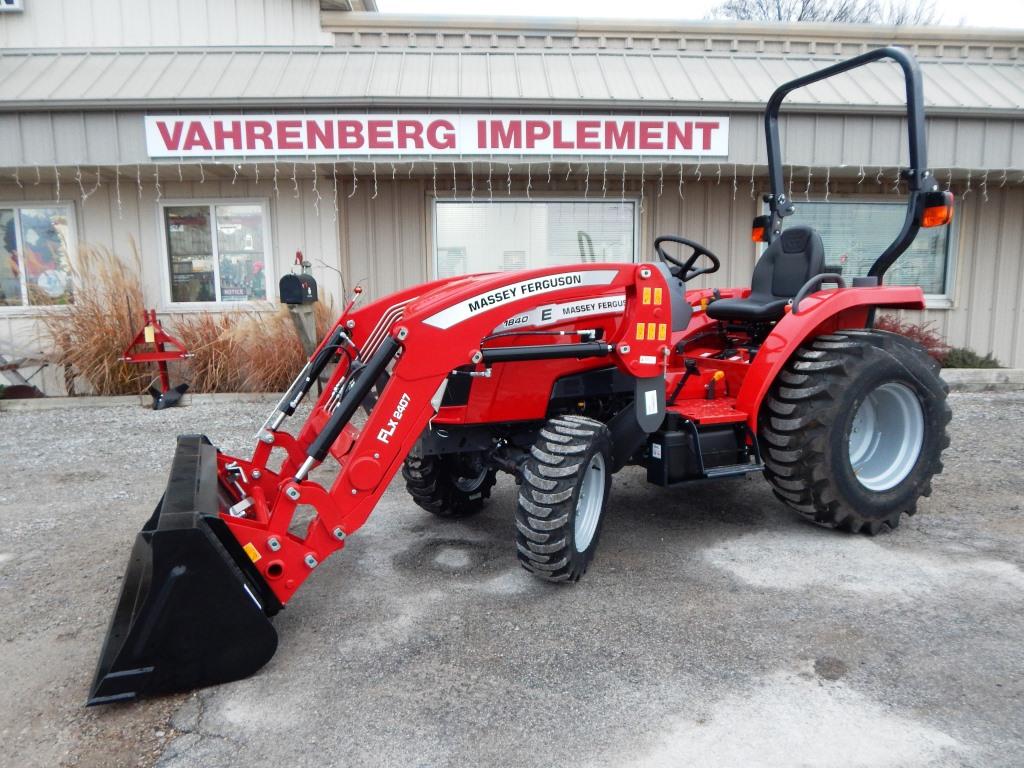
<point x="450" y="486"/>
<point x="854" y="428"/>
<point x="563" y="497"/>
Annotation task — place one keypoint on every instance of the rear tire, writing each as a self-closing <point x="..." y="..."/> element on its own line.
<point x="854" y="428"/>
<point x="450" y="486"/>
<point x="563" y="497"/>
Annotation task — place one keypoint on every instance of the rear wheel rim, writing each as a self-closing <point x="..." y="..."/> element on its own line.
<point x="589" y="503"/>
<point x="886" y="436"/>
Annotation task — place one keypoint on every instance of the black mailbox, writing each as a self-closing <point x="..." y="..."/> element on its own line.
<point x="298" y="289"/>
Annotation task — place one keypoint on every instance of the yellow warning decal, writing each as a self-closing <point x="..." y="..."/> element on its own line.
<point x="662" y="330"/>
<point x="150" y="334"/>
<point x="252" y="552"/>
<point x="647" y="295"/>
<point x="640" y="331"/>
<point x="651" y="331"/>
<point x="657" y="296"/>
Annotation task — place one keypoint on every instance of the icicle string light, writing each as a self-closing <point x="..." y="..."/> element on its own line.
<point x="508" y="179"/>
<point x="373" y="168"/>
<point x="828" y="179"/>
<point x="412" y="164"/>
<point x="949" y="178"/>
<point x="39" y="177"/>
<point x="355" y="181"/>
<point x="735" y="182"/>
<point x="455" y="183"/>
<point x="568" y="172"/>
<point x="642" y="186"/>
<point x="697" y="172"/>
<point x="433" y="179"/>
<point x="529" y="179"/>
<point x="277" y="191"/>
<point x="138" y="179"/>
<point x="1002" y="179"/>
<point x="549" y="173"/>
<point x="317" y="197"/>
<point x="334" y="178"/>
<point x="879" y="179"/>
<point x="472" y="181"/>
<point x="394" y="171"/>
<point x="681" y="182"/>
<point x="896" y="181"/>
<point x="586" y="181"/>
<point x="490" y="183"/>
<point x="78" y="179"/>
<point x="861" y="176"/>
<point x="661" y="179"/>
<point x="790" y="188"/>
<point x="256" y="172"/>
<point x="202" y="175"/>
<point x="718" y="174"/>
<point x="234" y="173"/>
<point x="753" y="184"/>
<point x="156" y="183"/>
<point x="56" y="173"/>
<point x="622" y="192"/>
<point x="967" y="189"/>
<point x="807" y="189"/>
<point x="16" y="179"/>
<point x="604" y="179"/>
<point x="295" y="180"/>
<point x="117" y="190"/>
<point x="92" y="190"/>
<point x="984" y="185"/>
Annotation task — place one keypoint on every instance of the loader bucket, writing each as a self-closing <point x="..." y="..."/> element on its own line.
<point x="192" y="611"/>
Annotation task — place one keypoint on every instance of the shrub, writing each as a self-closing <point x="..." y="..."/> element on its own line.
<point x="254" y="351"/>
<point x="961" y="357"/>
<point x="89" y="335"/>
<point x="923" y="333"/>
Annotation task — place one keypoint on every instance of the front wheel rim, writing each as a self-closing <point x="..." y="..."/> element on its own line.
<point x="589" y="502"/>
<point x="886" y="436"/>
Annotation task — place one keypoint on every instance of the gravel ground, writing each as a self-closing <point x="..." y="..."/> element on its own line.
<point x="713" y="629"/>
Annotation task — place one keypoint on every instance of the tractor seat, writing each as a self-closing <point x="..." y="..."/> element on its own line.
<point x="791" y="260"/>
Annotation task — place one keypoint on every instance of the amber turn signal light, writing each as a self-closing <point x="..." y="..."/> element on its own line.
<point x="938" y="209"/>
<point x="759" y="230"/>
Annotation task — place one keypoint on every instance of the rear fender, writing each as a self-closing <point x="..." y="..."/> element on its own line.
<point x="821" y="312"/>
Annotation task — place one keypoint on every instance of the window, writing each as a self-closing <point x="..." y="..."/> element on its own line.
<point x="502" y="236"/>
<point x="855" y="233"/>
<point x="37" y="243"/>
<point x="217" y="251"/>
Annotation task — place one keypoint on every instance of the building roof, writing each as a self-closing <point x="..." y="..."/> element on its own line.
<point x="310" y="78"/>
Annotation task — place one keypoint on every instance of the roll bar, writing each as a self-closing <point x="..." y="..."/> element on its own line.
<point x="919" y="179"/>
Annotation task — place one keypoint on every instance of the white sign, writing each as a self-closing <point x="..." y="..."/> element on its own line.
<point x="435" y="134"/>
<point x="483" y="302"/>
<point x="553" y="314"/>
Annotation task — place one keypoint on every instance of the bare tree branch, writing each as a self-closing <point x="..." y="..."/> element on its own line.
<point x="890" y="12"/>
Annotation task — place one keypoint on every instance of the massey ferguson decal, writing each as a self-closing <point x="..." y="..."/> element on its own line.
<point x="553" y="314"/>
<point x="482" y="302"/>
<point x="385" y="434"/>
<point x="435" y="134"/>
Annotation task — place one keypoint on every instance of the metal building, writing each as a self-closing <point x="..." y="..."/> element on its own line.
<point x="224" y="137"/>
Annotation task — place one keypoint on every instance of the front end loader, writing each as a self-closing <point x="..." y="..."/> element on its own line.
<point x="560" y="377"/>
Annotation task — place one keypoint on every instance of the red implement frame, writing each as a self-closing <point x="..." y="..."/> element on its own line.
<point x="166" y="347"/>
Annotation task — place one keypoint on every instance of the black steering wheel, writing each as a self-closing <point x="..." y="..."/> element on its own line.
<point x="685" y="270"/>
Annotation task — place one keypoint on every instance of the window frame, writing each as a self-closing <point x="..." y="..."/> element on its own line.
<point x="633" y="199"/>
<point x="26" y="309"/>
<point x="945" y="300"/>
<point x="167" y="302"/>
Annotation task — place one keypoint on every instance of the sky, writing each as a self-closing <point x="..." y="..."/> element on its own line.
<point x="976" y="13"/>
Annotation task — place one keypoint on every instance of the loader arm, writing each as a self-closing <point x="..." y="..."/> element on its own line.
<point x="413" y="340"/>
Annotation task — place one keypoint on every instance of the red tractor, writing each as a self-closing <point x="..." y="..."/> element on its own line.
<point x="561" y="377"/>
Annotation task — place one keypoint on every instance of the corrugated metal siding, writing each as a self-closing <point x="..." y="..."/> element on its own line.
<point x="110" y="138"/>
<point x="110" y="23"/>
<point x="385" y="243"/>
<point x="651" y="80"/>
